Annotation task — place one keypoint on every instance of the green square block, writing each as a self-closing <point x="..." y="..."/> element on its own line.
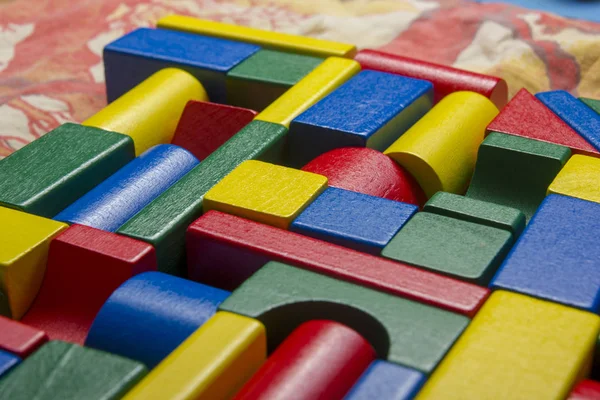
<point x="461" y="249"/>
<point x="402" y="331"/>
<point x="592" y="103"/>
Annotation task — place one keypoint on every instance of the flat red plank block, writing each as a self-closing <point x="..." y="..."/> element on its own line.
<point x="204" y="127"/>
<point x="18" y="338"/>
<point x="586" y="390"/>
<point x="85" y="265"/>
<point x="318" y="360"/>
<point x="445" y="79"/>
<point x="528" y="117"/>
<point x="224" y="250"/>
<point x="368" y="171"/>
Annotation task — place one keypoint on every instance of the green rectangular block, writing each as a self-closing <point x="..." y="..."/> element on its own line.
<point x="53" y="171"/>
<point x="163" y="222"/>
<point x="592" y="103"/>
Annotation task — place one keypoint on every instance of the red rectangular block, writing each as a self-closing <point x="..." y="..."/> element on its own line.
<point x="586" y="390"/>
<point x="18" y="338"/>
<point x="224" y="250"/>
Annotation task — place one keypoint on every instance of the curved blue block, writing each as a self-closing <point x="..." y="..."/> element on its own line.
<point x="385" y="380"/>
<point x="110" y="204"/>
<point x="7" y="362"/>
<point x="148" y="316"/>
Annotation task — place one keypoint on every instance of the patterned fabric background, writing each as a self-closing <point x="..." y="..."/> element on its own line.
<point x="51" y="50"/>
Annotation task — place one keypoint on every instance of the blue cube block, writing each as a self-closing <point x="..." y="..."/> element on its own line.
<point x="385" y="380"/>
<point x="7" y="361"/>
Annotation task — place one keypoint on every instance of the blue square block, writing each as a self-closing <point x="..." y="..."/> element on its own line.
<point x="7" y="362"/>
<point x="356" y="220"/>
<point x="557" y="257"/>
<point x="385" y="380"/>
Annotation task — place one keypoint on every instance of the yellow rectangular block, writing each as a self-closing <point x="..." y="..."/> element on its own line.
<point x="149" y="112"/>
<point x="516" y="347"/>
<point x="330" y="74"/>
<point x="213" y="363"/>
<point x="265" y="39"/>
<point x="578" y="178"/>
<point x="264" y="192"/>
<point x="24" y="242"/>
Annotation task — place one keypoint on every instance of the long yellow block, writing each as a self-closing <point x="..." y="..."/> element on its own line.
<point x="264" y="192"/>
<point x="213" y="363"/>
<point x="149" y="112"/>
<point x="440" y="150"/>
<point x="330" y="74"/>
<point x="578" y="178"/>
<point x="516" y="347"/>
<point x="24" y="242"/>
<point x="266" y="39"/>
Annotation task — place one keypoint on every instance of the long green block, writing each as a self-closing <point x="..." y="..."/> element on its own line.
<point x="592" y="103"/>
<point x="516" y="171"/>
<point x="260" y="79"/>
<point x="53" y="171"/>
<point x="60" y="370"/>
<point x="400" y="330"/>
<point x="163" y="222"/>
<point x="480" y="212"/>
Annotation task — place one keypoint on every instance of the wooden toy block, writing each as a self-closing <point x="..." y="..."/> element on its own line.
<point x="213" y="363"/>
<point x="110" y="204"/>
<point x="556" y="257"/>
<point x="516" y="171"/>
<point x="132" y="321"/>
<point x="319" y="360"/>
<point x="516" y="347"/>
<point x="359" y="221"/>
<point x="401" y="331"/>
<point x="204" y="127"/>
<point x="477" y="211"/>
<point x="20" y="339"/>
<point x="264" y="192"/>
<point x="445" y="79"/>
<point x="216" y="243"/>
<point x="575" y="113"/>
<point x="372" y="109"/>
<point x="385" y="380"/>
<point x="60" y="370"/>
<point x="330" y="74"/>
<point x="132" y="58"/>
<point x="586" y="390"/>
<point x="578" y="178"/>
<point x="53" y="171"/>
<point x="149" y="112"/>
<point x="367" y="171"/>
<point x="163" y="222"/>
<point x="263" y="77"/>
<point x="461" y="249"/>
<point x="24" y="242"/>
<point x="456" y="126"/>
<point x="591" y="103"/>
<point x="85" y="265"/>
<point x="7" y="362"/>
<point x="266" y="39"/>
<point x="526" y="116"/>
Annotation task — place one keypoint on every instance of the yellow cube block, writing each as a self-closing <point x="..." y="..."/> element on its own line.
<point x="516" y="347"/>
<point x="578" y="178"/>
<point x="24" y="242"/>
<point x="264" y="192"/>
<point x="213" y="363"/>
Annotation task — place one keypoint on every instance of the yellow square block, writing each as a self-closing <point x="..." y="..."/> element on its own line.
<point x="516" y="347"/>
<point x="24" y="242"/>
<point x="578" y="178"/>
<point x="264" y="192"/>
<point x="213" y="363"/>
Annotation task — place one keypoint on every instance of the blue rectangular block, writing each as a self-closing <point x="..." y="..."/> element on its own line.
<point x="134" y="57"/>
<point x="372" y="109"/>
<point x="557" y="257"/>
<point x="7" y="362"/>
<point x="575" y="113"/>
<point x="356" y="220"/>
<point x="385" y="380"/>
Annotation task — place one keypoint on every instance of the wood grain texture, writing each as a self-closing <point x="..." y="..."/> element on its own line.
<point x="445" y="79"/>
<point x="585" y="390"/>
<point x="53" y="171"/>
<point x="385" y="380"/>
<point x="20" y="339"/>
<point x="85" y="265"/>
<point x="578" y="178"/>
<point x="163" y="222"/>
<point x="372" y="109"/>
<point x="318" y="360"/>
<point x="591" y="103"/>
<point x="204" y="127"/>
<point x="516" y="347"/>
<point x="224" y="250"/>
<point x="456" y="126"/>
<point x="401" y="331"/>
